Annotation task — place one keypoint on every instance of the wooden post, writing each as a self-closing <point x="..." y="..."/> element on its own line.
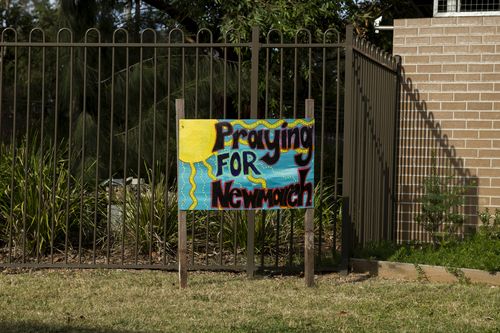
<point x="181" y="215"/>
<point x="309" y="224"/>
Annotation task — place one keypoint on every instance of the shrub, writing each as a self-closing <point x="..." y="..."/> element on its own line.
<point x="40" y="200"/>
<point x="490" y="227"/>
<point x="441" y="202"/>
<point x="150" y="218"/>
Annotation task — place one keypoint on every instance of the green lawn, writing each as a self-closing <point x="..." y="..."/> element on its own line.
<point x="148" y="301"/>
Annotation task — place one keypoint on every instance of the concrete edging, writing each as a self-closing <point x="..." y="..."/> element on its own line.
<point x="405" y="271"/>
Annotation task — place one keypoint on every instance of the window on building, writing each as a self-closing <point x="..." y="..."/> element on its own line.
<point x="458" y="7"/>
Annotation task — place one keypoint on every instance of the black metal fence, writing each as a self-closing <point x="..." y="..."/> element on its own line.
<point x="371" y="144"/>
<point x="88" y="150"/>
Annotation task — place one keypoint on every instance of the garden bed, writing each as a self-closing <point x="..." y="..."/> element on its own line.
<point x="405" y="271"/>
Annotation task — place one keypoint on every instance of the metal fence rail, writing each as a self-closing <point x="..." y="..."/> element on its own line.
<point x="87" y="129"/>
<point x="371" y="129"/>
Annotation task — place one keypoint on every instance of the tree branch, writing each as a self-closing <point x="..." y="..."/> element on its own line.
<point x="187" y="22"/>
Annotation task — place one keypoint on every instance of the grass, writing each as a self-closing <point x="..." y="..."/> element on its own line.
<point x="478" y="251"/>
<point x="150" y="301"/>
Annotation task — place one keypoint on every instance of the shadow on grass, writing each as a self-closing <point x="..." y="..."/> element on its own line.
<point x="37" y="327"/>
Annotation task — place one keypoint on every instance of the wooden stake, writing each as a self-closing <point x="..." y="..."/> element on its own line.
<point x="309" y="224"/>
<point x="181" y="215"/>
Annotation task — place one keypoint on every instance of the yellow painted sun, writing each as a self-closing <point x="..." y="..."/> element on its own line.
<point x="198" y="139"/>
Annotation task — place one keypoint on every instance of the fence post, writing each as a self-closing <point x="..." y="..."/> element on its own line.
<point x="346" y="167"/>
<point x="346" y="237"/>
<point x="254" y="95"/>
<point x="309" y="224"/>
<point x="395" y="170"/>
<point x="181" y="215"/>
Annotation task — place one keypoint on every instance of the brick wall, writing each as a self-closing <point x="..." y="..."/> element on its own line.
<point x="451" y="108"/>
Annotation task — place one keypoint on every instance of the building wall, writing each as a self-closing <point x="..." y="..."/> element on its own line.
<point x="452" y="109"/>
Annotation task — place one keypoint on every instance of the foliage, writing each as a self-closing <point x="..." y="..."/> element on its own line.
<point x="479" y="252"/>
<point x="490" y="223"/>
<point x="441" y="201"/>
<point x="266" y="224"/>
<point x="150" y="219"/>
<point x="41" y="203"/>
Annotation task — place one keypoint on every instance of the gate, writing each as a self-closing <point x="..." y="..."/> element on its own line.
<point x="87" y="129"/>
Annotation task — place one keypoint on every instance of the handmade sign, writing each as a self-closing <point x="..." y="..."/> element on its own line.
<point x="245" y="164"/>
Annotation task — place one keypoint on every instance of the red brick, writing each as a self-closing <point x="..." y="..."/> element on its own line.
<point x="409" y="69"/>
<point x="457" y="143"/>
<point x="440" y="96"/>
<point x="420" y="78"/>
<point x="470" y="21"/>
<point x="398" y="41"/>
<point x="480" y="87"/>
<point x="469" y="40"/>
<point x="491" y="39"/>
<point x="490" y="57"/>
<point x="489" y="153"/>
<point x="456" y="30"/>
<point x="491" y="20"/>
<point x="429" y="87"/>
<point x="405" y="50"/>
<point x="468" y="58"/>
<point x="446" y="58"/>
<point x="465" y="152"/>
<point x="465" y="134"/>
<point x="488" y="172"/>
<point x="494" y="134"/>
<point x="399" y="23"/>
<point x="429" y="50"/>
<point x="479" y="106"/>
<point x="486" y="163"/>
<point x="489" y="191"/>
<point x="466" y="115"/>
<point x="481" y="49"/>
<point x="481" y="68"/>
<point x="454" y="68"/>
<point x="432" y="31"/>
<point x="483" y="30"/>
<point x="444" y="21"/>
<point x="442" y="114"/>
<point x="444" y="40"/>
<point x="479" y="124"/>
<point x="490" y="115"/>
<point x="429" y="68"/>
<point x="478" y="144"/>
<point x="454" y="87"/>
<point x="418" y="40"/>
<point x="491" y="77"/>
<point x="416" y="59"/>
<point x="441" y="77"/>
<point x="405" y="32"/>
<point x="453" y="124"/>
<point x="467" y="77"/>
<point x="490" y="96"/>
<point x="466" y="96"/>
<point x="456" y="49"/>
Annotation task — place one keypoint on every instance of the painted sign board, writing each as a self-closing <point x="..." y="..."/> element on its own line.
<point x="245" y="164"/>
